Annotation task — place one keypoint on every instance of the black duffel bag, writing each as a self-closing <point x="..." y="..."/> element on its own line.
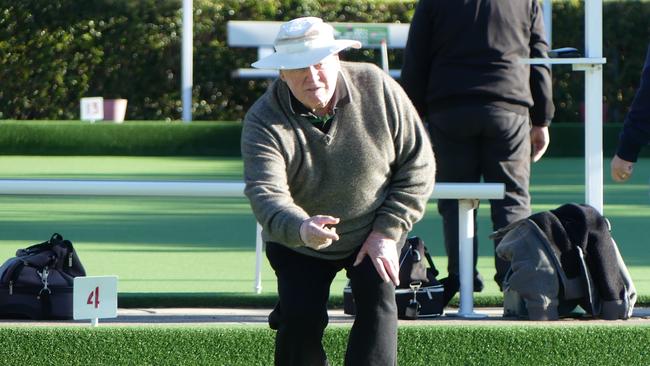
<point x="419" y="294"/>
<point x="37" y="282"/>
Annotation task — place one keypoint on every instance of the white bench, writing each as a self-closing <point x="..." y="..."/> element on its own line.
<point x="261" y="34"/>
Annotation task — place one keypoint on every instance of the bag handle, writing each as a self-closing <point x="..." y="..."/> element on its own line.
<point x="434" y="270"/>
<point x="55" y="239"/>
<point x="415" y="250"/>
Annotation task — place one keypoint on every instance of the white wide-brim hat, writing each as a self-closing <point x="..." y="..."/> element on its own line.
<point x="303" y="42"/>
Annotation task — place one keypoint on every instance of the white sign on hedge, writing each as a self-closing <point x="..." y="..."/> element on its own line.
<point x="92" y="109"/>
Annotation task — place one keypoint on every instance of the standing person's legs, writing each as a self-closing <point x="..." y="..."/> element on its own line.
<point x="303" y="290"/>
<point x="455" y="135"/>
<point x="373" y="337"/>
<point x="505" y="153"/>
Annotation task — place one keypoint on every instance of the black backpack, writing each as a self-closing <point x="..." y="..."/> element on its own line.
<point x="419" y="294"/>
<point x="37" y="282"/>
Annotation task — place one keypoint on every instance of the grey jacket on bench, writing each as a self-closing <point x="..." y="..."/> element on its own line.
<point x="563" y="258"/>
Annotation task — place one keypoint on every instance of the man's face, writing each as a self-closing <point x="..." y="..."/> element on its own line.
<point x="313" y="86"/>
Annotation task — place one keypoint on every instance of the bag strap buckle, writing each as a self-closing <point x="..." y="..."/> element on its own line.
<point x="43" y="275"/>
<point x="412" y="310"/>
<point x="415" y="286"/>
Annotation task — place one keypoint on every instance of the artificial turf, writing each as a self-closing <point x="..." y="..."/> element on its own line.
<point x="253" y="345"/>
<point x="206" y="245"/>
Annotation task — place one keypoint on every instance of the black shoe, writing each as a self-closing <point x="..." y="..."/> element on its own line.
<point x="274" y="317"/>
<point x="451" y="286"/>
<point x="478" y="283"/>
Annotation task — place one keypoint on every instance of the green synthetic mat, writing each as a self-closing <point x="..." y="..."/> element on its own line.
<point x="206" y="245"/>
<point x="247" y="346"/>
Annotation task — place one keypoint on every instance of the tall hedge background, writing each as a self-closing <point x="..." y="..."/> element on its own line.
<point x="53" y="52"/>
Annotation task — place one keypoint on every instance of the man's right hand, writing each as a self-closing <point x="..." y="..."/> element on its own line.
<point x="621" y="169"/>
<point x="539" y="139"/>
<point x="316" y="232"/>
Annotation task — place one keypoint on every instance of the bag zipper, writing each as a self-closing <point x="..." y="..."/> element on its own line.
<point x="14" y="275"/>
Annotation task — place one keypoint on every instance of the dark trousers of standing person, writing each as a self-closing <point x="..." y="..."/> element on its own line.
<point x="301" y="314"/>
<point x="481" y="142"/>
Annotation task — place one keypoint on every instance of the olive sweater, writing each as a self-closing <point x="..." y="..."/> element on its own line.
<point x="374" y="169"/>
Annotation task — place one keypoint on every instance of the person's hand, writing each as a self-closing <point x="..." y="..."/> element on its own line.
<point x="621" y="170"/>
<point x="317" y="233"/>
<point x="539" y="139"/>
<point x="382" y="251"/>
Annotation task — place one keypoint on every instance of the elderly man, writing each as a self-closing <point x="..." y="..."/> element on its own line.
<point x="338" y="168"/>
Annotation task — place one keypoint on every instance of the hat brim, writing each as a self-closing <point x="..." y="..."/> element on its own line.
<point x="299" y="60"/>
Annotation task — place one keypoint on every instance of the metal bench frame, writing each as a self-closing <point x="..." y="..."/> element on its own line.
<point x="261" y="34"/>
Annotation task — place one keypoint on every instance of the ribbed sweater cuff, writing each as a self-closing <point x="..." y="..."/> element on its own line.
<point x="294" y="233"/>
<point x="389" y="226"/>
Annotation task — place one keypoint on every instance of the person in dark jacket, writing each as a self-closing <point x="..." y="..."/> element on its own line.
<point x="636" y="129"/>
<point x="487" y="111"/>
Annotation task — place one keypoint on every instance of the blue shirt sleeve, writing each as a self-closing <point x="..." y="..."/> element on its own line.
<point x="636" y="129"/>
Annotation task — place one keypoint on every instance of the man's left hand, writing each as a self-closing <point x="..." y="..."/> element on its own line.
<point x="382" y="251"/>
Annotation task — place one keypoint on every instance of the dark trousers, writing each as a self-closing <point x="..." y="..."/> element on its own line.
<point x="303" y="290"/>
<point x="474" y="143"/>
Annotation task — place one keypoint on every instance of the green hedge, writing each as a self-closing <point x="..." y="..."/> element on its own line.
<point x="197" y="138"/>
<point x="568" y="139"/>
<point x="431" y="345"/>
<point x="54" y="52"/>
<point x="132" y="138"/>
<point x="626" y="33"/>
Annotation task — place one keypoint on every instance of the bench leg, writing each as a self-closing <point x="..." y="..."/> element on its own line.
<point x="466" y="209"/>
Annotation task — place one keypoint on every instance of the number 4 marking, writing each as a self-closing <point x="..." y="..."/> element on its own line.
<point x="94" y="295"/>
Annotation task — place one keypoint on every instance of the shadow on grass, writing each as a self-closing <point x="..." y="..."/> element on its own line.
<point x="175" y="231"/>
<point x="264" y="300"/>
<point x="197" y="299"/>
